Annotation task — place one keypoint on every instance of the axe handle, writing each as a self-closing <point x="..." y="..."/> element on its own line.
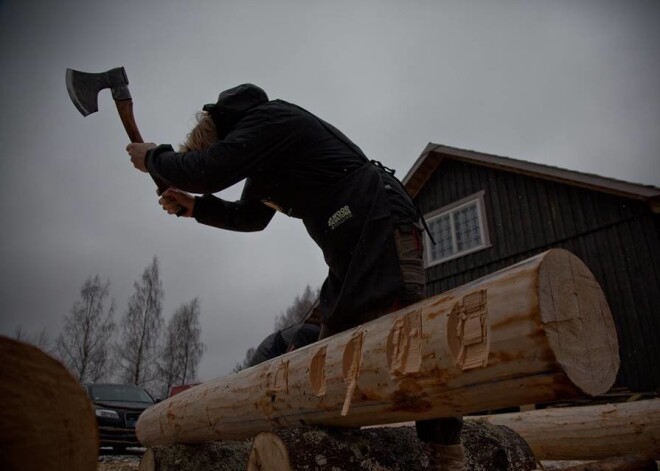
<point x="125" y="109"/>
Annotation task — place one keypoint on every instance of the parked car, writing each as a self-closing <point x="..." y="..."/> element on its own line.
<point x="117" y="408"/>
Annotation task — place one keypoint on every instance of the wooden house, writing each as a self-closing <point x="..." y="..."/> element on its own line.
<point x="488" y="212"/>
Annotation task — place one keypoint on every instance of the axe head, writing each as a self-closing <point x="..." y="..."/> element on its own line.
<point x="84" y="87"/>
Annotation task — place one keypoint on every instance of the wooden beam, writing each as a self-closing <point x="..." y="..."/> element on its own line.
<point x="589" y="432"/>
<point x="46" y="418"/>
<point x="538" y="331"/>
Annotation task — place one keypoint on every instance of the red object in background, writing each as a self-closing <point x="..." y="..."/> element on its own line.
<point x="177" y="389"/>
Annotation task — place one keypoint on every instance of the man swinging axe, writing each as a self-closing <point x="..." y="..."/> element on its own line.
<point x="291" y="161"/>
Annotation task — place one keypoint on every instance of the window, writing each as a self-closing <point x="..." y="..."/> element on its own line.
<point x="458" y="229"/>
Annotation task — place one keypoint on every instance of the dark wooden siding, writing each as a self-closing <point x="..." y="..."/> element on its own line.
<point x="616" y="237"/>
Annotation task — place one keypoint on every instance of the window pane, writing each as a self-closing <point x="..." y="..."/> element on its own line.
<point x="457" y="230"/>
<point x="441" y="230"/>
<point x="466" y="223"/>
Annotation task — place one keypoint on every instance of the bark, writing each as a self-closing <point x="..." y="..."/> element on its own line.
<point x="487" y="448"/>
<point x="538" y="331"/>
<point x="46" y="418"/>
<point x="589" y="432"/>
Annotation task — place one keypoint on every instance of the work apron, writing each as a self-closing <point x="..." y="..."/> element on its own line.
<point x="352" y="223"/>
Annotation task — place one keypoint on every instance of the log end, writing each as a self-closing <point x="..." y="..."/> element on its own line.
<point x="46" y="420"/>
<point x="578" y="322"/>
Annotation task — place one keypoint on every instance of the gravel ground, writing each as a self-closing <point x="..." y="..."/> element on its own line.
<point x="125" y="461"/>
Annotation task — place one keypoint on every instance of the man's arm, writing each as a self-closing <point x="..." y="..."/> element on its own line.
<point x="244" y="215"/>
<point x="255" y="140"/>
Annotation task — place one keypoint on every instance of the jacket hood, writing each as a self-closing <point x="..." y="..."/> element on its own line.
<point x="232" y="105"/>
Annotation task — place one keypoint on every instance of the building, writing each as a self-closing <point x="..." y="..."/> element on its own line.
<point x="489" y="212"/>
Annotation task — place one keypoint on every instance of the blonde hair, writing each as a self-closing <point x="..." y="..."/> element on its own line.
<point x="202" y="136"/>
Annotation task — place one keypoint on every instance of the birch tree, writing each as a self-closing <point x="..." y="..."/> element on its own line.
<point x="182" y="348"/>
<point x="85" y="341"/>
<point x="140" y="329"/>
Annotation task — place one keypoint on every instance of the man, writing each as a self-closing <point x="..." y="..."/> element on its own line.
<point x="291" y="161"/>
<point x="284" y="340"/>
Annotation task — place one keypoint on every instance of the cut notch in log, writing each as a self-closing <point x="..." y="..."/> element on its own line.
<point x="497" y="342"/>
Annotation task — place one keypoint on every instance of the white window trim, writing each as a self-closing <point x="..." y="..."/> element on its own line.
<point x="483" y="227"/>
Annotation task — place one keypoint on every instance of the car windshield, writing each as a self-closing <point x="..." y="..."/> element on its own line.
<point x="111" y="393"/>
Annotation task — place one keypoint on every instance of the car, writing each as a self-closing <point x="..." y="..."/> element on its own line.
<point x="117" y="408"/>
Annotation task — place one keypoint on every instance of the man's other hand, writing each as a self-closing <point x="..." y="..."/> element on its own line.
<point x="173" y="201"/>
<point x="138" y="152"/>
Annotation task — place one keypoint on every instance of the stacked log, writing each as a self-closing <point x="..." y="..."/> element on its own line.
<point x="538" y="331"/>
<point x="620" y="463"/>
<point x="46" y="418"/>
<point x="589" y="432"/>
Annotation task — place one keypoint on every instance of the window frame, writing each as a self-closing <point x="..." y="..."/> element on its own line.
<point x="477" y="198"/>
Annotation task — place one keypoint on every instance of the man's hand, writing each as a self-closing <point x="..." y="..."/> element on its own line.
<point x="138" y="152"/>
<point x="177" y="202"/>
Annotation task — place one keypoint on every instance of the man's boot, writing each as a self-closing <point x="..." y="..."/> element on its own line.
<point x="443" y="437"/>
<point x="448" y="457"/>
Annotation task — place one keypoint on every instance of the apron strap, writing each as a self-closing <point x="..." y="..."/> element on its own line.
<point x="419" y="213"/>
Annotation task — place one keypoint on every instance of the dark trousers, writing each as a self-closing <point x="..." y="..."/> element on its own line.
<point x="444" y="431"/>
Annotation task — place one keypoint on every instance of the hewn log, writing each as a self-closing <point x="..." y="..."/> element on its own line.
<point x="46" y="418"/>
<point x="487" y="448"/>
<point x="622" y="463"/>
<point x="537" y="331"/>
<point x="589" y="432"/>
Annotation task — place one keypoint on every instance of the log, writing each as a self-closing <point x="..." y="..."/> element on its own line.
<point x="589" y="432"/>
<point x="538" y="331"/>
<point x="621" y="463"/>
<point x="46" y="418"/>
<point x="487" y="447"/>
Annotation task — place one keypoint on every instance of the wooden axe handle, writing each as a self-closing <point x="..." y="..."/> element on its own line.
<point x="125" y="109"/>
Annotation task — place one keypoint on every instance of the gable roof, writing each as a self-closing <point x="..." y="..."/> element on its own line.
<point x="434" y="154"/>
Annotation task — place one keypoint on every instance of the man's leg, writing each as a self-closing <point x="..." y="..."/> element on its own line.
<point x="443" y="435"/>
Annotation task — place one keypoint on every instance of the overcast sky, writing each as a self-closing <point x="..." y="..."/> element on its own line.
<point x="574" y="84"/>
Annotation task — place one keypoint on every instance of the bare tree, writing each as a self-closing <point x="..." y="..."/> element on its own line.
<point x="298" y="310"/>
<point x="294" y="314"/>
<point x="42" y="340"/>
<point x="182" y="349"/>
<point x="84" y="343"/>
<point x="246" y="361"/>
<point x="140" y="329"/>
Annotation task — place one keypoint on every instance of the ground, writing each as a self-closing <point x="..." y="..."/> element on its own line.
<point x="126" y="461"/>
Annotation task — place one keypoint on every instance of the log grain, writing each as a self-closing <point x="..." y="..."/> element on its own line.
<point x="487" y="448"/>
<point x="589" y="432"/>
<point x="46" y="418"/>
<point x="538" y="331"/>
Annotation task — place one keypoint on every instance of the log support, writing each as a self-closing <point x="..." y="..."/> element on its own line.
<point x="589" y="432"/>
<point x="487" y="447"/>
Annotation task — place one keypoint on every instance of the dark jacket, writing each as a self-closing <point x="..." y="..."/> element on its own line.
<point x="293" y="161"/>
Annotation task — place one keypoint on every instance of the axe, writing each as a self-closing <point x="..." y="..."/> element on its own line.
<point x="84" y="87"/>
